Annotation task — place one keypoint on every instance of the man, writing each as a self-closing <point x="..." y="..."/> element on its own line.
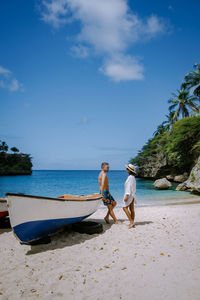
<point x="104" y="189"/>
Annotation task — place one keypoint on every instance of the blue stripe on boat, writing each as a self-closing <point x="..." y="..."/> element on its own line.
<point x="35" y="230"/>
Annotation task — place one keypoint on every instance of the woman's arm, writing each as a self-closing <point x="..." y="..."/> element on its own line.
<point x="127" y="190"/>
<point x="134" y="185"/>
<point x="126" y="198"/>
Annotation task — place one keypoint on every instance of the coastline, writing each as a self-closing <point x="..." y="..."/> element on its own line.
<point x="158" y="259"/>
<point x="14" y="172"/>
<point x="184" y="202"/>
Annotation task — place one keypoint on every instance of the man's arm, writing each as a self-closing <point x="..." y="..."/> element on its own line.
<point x="103" y="183"/>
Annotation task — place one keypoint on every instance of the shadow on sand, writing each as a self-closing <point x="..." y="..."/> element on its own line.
<point x="5" y="225"/>
<point x="68" y="238"/>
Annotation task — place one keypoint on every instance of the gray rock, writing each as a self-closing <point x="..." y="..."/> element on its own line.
<point x="193" y="182"/>
<point x="162" y="184"/>
<point x="156" y="167"/>
<point x="181" y="178"/>
<point x="170" y="177"/>
<point x="181" y="187"/>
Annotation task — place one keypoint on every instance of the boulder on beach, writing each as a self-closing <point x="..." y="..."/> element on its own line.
<point x="181" y="178"/>
<point x="170" y="177"/>
<point x="178" y="178"/>
<point x="181" y="187"/>
<point x="162" y="184"/>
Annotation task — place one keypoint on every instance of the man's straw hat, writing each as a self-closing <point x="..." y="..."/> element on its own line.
<point x="131" y="167"/>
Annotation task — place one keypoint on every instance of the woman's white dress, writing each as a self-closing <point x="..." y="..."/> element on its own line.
<point x="130" y="189"/>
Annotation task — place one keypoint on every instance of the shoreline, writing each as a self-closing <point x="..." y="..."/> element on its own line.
<point x="188" y="201"/>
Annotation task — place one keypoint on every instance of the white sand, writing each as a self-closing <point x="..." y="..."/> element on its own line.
<point x="158" y="259"/>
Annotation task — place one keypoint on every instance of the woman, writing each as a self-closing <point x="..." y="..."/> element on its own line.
<point x="129" y="195"/>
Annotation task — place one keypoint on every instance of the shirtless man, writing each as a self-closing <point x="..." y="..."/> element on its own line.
<point x="104" y="189"/>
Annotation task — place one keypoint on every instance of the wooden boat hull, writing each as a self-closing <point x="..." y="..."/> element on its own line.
<point x="34" y="217"/>
<point x="3" y="208"/>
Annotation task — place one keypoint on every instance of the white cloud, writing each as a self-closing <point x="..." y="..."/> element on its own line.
<point x="154" y="26"/>
<point x="109" y="27"/>
<point x="4" y="72"/>
<point x="14" y="85"/>
<point x="8" y="81"/>
<point x="123" y="68"/>
<point x="80" y="51"/>
<point x="54" y="12"/>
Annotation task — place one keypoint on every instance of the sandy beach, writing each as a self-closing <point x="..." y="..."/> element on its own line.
<point x="158" y="259"/>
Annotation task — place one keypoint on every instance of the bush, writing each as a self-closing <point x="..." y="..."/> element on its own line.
<point x="15" y="162"/>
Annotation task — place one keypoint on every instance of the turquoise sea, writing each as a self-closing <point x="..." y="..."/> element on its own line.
<point x="56" y="183"/>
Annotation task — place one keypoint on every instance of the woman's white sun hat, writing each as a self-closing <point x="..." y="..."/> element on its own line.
<point x="131" y="167"/>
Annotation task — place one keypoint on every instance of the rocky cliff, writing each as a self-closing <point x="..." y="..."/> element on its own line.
<point x="154" y="168"/>
<point x="193" y="182"/>
<point x="171" y="153"/>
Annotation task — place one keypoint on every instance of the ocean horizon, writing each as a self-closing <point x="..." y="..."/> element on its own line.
<point x="54" y="183"/>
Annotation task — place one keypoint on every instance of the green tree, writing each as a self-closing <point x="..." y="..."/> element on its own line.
<point x="192" y="80"/>
<point x="14" y="149"/>
<point x="161" y="128"/>
<point x="182" y="103"/>
<point x="170" y="119"/>
<point x="165" y="125"/>
<point x="183" y="146"/>
<point x="3" y="147"/>
<point x="14" y="163"/>
<point x="180" y="146"/>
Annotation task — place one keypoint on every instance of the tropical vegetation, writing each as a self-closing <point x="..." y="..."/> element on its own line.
<point x="178" y="137"/>
<point x="14" y="163"/>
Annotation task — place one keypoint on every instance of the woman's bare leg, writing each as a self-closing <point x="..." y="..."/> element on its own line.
<point x="132" y="208"/>
<point x="129" y="216"/>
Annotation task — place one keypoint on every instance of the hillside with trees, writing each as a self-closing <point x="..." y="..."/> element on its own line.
<point x="175" y="146"/>
<point x="14" y="163"/>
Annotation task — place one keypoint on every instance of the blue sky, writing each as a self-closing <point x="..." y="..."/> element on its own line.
<point x="87" y="81"/>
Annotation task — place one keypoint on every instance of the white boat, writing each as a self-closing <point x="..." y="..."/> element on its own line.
<point x="3" y="208"/>
<point x="35" y="217"/>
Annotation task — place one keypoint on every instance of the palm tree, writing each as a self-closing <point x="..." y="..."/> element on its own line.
<point x="165" y="125"/>
<point x="3" y="147"/>
<point x="161" y="128"/>
<point x="192" y="80"/>
<point x="182" y="103"/>
<point x="170" y="119"/>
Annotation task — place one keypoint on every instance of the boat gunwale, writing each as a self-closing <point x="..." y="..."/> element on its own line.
<point x="52" y="198"/>
<point x="3" y="200"/>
